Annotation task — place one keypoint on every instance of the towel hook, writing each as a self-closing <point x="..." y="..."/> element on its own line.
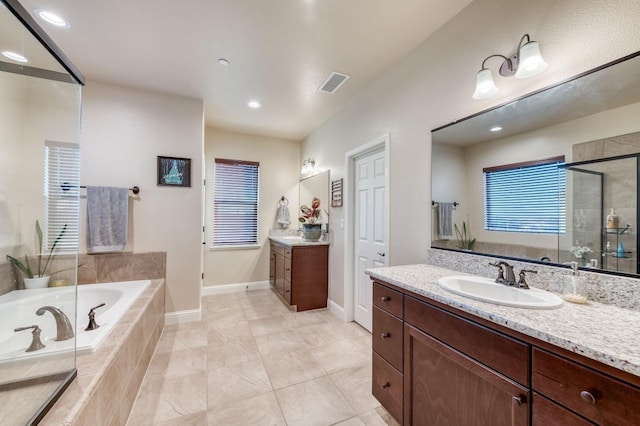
<point x="284" y="200"/>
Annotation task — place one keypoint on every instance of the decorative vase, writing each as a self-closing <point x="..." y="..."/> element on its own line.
<point x="36" y="282"/>
<point x="311" y="232"/>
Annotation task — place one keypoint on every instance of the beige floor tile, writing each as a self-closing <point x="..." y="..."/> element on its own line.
<point x="307" y="318"/>
<point x="196" y="419"/>
<point x="292" y="367"/>
<point x="179" y="363"/>
<point x="226" y="318"/>
<point x="378" y="417"/>
<point x="258" y="410"/>
<point x="239" y="330"/>
<point x="341" y="355"/>
<point x="232" y="352"/>
<point x="265" y="311"/>
<point x="316" y="402"/>
<point x="240" y="381"/>
<point x="162" y="399"/>
<point x="353" y="421"/>
<point x="318" y="335"/>
<point x="261" y="327"/>
<point x="184" y="336"/>
<point x="277" y="343"/>
<point x="355" y="385"/>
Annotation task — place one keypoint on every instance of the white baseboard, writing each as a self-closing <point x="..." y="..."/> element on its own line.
<point x="336" y="309"/>
<point x="235" y="288"/>
<point x="182" y="317"/>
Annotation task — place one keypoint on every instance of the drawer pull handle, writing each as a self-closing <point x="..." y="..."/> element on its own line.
<point x="519" y="400"/>
<point x="588" y="397"/>
<point x="386" y="386"/>
<point x="385" y="298"/>
<point x="385" y="335"/>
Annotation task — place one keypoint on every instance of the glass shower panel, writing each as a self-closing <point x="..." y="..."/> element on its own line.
<point x="39" y="106"/>
<point x="596" y="188"/>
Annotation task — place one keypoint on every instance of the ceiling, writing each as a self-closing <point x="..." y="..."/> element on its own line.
<point x="279" y="51"/>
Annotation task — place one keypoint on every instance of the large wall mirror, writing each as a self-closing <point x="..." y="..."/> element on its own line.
<point x="315" y="186"/>
<point x="551" y="177"/>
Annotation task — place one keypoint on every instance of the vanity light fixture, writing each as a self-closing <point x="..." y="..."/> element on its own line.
<point x="526" y="62"/>
<point x="495" y="129"/>
<point x="14" y="56"/>
<point x="308" y="166"/>
<point x="254" y="104"/>
<point x="51" y="17"/>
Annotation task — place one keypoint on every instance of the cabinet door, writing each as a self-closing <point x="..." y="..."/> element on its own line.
<point x="280" y="272"/>
<point x="444" y="387"/>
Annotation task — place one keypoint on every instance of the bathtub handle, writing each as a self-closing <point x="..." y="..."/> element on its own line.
<point x="92" y="318"/>
<point x="36" y="344"/>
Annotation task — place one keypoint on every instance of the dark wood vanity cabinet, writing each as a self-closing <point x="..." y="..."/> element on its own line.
<point x="300" y="275"/>
<point x="457" y="371"/>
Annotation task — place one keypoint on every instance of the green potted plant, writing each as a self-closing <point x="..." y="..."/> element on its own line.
<point x="465" y="242"/>
<point x="310" y="219"/>
<point x="38" y="278"/>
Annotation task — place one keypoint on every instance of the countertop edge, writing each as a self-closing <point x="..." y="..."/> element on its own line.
<point x="290" y="242"/>
<point x="508" y="316"/>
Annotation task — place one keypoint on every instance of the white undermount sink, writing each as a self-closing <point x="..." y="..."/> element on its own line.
<point x="486" y="290"/>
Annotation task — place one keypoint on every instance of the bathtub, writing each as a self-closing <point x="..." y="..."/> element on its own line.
<point x="18" y="307"/>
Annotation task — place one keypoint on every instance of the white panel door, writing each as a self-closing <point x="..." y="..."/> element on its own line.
<point x="370" y="229"/>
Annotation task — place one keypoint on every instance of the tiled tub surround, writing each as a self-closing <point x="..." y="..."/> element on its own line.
<point x="604" y="333"/>
<point x="96" y="268"/>
<point x="108" y="379"/>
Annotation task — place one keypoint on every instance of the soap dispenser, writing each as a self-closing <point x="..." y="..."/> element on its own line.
<point x="575" y="290"/>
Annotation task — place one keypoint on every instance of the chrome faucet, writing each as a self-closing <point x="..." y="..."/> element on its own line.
<point x="510" y="279"/>
<point x="63" y="325"/>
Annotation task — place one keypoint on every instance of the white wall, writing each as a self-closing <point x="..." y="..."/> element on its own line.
<point x="123" y="131"/>
<point x="433" y="85"/>
<point x="279" y="171"/>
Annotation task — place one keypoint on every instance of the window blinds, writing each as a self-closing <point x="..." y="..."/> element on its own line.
<point x="529" y="199"/>
<point x="61" y="193"/>
<point x="235" y="203"/>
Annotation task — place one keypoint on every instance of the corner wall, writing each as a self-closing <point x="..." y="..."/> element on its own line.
<point x="279" y="173"/>
<point x="123" y="131"/>
<point x="432" y="86"/>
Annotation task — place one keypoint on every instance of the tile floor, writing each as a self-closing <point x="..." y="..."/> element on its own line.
<point x="252" y="362"/>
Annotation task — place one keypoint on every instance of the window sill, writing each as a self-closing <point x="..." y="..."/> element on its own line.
<point x="242" y="247"/>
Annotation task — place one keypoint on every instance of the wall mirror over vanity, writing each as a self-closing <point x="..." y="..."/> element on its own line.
<point x="551" y="177"/>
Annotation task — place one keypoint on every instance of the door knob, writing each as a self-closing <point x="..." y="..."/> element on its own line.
<point x="381" y="254"/>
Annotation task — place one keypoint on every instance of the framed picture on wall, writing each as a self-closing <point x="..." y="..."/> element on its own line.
<point x="174" y="171"/>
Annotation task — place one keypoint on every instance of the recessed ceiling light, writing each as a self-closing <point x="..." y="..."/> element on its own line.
<point x="52" y="18"/>
<point x="496" y="129"/>
<point x="223" y="62"/>
<point x="14" y="56"/>
<point x="254" y="104"/>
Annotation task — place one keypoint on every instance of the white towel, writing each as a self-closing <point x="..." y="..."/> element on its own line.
<point x="107" y="214"/>
<point x="445" y="211"/>
<point x="283" y="215"/>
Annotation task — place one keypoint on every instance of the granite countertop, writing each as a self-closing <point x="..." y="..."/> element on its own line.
<point x="294" y="241"/>
<point x="605" y="333"/>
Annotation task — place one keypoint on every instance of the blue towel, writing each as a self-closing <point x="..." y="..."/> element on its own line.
<point x="107" y="214"/>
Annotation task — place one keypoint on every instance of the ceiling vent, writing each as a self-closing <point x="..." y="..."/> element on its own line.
<point x="333" y="82"/>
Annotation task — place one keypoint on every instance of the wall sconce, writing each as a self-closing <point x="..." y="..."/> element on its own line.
<point x="526" y="62"/>
<point x="308" y="166"/>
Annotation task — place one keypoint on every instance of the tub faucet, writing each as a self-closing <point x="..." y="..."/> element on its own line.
<point x="63" y="325"/>
<point x="510" y="279"/>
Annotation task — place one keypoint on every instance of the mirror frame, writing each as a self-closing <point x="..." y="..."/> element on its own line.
<point x="511" y="103"/>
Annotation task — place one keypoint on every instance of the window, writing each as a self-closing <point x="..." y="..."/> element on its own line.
<point x="235" y="216"/>
<point x="61" y="193"/>
<point x="526" y="197"/>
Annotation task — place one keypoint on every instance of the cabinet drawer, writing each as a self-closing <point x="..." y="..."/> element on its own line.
<point x="573" y="385"/>
<point x="387" y="387"/>
<point x="389" y="300"/>
<point x="387" y="337"/>
<point x="287" y="268"/>
<point x="286" y="291"/>
<point x="547" y="413"/>
<point x="287" y="251"/>
<point x="504" y="354"/>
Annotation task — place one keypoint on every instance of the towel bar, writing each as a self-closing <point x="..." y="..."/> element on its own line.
<point x="66" y="187"/>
